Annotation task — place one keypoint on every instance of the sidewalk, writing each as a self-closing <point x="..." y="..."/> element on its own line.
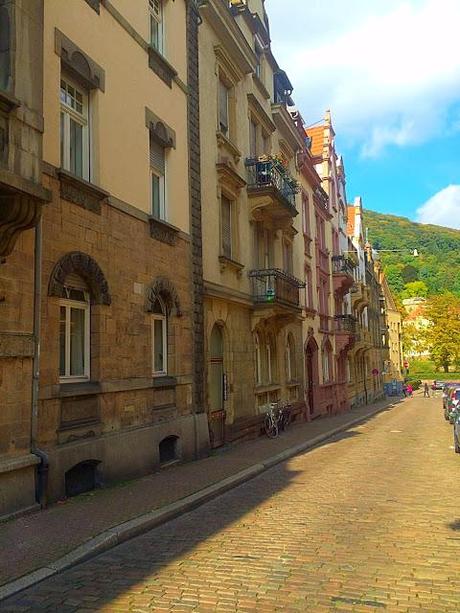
<point x="50" y="541"/>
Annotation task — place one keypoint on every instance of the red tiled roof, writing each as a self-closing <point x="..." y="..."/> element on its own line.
<point x="351" y="220"/>
<point x="317" y="140"/>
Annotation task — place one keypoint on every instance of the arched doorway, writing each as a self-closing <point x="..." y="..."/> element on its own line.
<point x="216" y="382"/>
<point x="311" y="374"/>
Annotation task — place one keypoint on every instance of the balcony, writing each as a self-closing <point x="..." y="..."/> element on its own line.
<point x="271" y="189"/>
<point x="346" y="332"/>
<point x="274" y="287"/>
<point x="342" y="274"/>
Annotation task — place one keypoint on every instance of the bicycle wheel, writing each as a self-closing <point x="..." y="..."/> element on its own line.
<point x="271" y="428"/>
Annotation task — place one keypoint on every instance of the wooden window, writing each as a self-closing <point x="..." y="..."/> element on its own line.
<point x="74" y="332"/>
<point x="306" y="215"/>
<point x="290" y="359"/>
<point x="159" y="339"/>
<point x="252" y="138"/>
<point x="158" y="179"/>
<point x="288" y="256"/>
<point x="226" y="227"/>
<point x="156" y="25"/>
<point x="223" y="107"/>
<point x="74" y="129"/>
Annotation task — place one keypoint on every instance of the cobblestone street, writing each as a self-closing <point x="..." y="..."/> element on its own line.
<point x="369" y="521"/>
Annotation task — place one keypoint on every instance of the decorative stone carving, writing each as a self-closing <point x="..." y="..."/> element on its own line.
<point x="78" y="63"/>
<point x="88" y="269"/>
<point x="163" y="231"/>
<point x="164" y="288"/>
<point x="159" y="130"/>
<point x="18" y="212"/>
<point x="81" y="192"/>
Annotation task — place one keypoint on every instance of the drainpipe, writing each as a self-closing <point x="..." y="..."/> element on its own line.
<point x="42" y="468"/>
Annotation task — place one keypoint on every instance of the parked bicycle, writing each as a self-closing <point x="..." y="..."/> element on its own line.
<point x="277" y="418"/>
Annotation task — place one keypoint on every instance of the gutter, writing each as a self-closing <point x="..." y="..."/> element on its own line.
<point x="42" y="468"/>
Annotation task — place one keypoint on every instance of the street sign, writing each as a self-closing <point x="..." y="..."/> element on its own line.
<point x="406" y="364"/>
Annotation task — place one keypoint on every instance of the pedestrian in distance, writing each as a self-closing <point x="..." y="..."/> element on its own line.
<point x="410" y="390"/>
<point x="426" y="390"/>
<point x="404" y="390"/>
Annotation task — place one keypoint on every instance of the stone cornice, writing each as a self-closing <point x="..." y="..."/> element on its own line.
<point x="221" y="20"/>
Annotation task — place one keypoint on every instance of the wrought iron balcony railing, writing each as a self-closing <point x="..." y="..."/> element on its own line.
<point x="272" y="285"/>
<point x="269" y="174"/>
<point x="342" y="265"/>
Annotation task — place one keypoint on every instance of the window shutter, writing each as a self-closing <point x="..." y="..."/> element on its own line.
<point x="226" y="213"/>
<point x="157" y="157"/>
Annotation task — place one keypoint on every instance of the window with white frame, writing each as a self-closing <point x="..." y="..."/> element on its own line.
<point x="158" y="179"/>
<point x="74" y="332"/>
<point x="74" y="129"/>
<point x="159" y="338"/>
<point x="156" y="25"/>
<point x="326" y="364"/>
<point x="259" y="52"/>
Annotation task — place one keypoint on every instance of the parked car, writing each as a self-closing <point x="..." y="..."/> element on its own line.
<point x="438" y="385"/>
<point x="457" y="432"/>
<point x="452" y="404"/>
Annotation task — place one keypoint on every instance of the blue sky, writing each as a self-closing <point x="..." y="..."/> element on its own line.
<point x="390" y="73"/>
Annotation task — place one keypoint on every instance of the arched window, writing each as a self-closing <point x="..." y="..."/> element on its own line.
<point x="159" y="338"/>
<point x="290" y="359"/>
<point x="74" y="330"/>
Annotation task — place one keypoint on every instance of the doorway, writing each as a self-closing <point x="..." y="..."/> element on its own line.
<point x="216" y="387"/>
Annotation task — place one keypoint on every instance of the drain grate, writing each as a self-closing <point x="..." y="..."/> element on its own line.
<point x="367" y="603"/>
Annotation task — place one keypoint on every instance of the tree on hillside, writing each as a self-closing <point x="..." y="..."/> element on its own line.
<point x="443" y="333"/>
<point x="416" y="289"/>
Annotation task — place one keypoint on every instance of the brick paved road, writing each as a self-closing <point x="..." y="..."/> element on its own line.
<point x="368" y="522"/>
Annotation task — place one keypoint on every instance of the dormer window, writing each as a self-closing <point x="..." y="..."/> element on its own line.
<point x="156" y="25"/>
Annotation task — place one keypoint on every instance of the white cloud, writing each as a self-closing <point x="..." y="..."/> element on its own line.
<point x="443" y="208"/>
<point x="389" y="71"/>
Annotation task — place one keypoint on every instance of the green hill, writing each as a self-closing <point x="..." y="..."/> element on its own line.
<point x="437" y="268"/>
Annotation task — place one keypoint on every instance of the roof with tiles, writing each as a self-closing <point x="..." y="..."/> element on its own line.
<point x="317" y="139"/>
<point x="351" y="212"/>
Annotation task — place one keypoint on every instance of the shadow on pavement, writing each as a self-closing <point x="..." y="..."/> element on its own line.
<point x="98" y="582"/>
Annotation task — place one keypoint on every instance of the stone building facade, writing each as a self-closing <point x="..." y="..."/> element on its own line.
<point x="110" y="334"/>
<point x="252" y="222"/>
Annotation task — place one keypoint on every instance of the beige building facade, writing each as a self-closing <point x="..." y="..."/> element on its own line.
<point x="251" y="223"/>
<point x="110" y="333"/>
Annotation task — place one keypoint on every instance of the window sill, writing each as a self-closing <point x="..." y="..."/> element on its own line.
<point x="164" y="381"/>
<point x="226" y="262"/>
<point x="81" y="192"/>
<point x="161" y="67"/>
<point x="224" y="141"/>
<point x="8" y="102"/>
<point x="267" y="387"/>
<point x="82" y="388"/>
<point x="163" y="231"/>
<point x="292" y="384"/>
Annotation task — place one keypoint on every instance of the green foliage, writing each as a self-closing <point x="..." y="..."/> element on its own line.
<point x="438" y="264"/>
<point x="416" y="289"/>
<point x="443" y="336"/>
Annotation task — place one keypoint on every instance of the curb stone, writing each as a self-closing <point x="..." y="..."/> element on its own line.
<point x="135" y="527"/>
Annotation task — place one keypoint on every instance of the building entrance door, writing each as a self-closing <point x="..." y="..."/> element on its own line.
<point x="216" y="388"/>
